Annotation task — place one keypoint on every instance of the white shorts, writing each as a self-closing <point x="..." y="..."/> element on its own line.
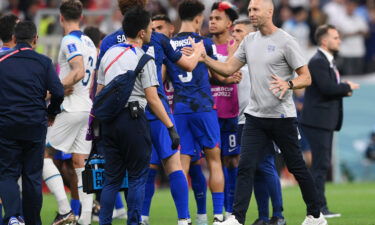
<point x="68" y="133"/>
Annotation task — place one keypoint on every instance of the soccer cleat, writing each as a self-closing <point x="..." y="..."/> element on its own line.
<point x="310" y="220"/>
<point x="260" y="222"/>
<point x="230" y="221"/>
<point x="227" y="215"/>
<point x="183" y="222"/>
<point x="328" y="214"/>
<point x="277" y="221"/>
<point x="120" y="214"/>
<point x="64" y="219"/>
<point x="16" y="221"/>
<point x="201" y="219"/>
<point x="145" y="220"/>
<point x="95" y="211"/>
<point x="218" y="219"/>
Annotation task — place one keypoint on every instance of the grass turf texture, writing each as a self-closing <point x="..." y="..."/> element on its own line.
<point x="356" y="203"/>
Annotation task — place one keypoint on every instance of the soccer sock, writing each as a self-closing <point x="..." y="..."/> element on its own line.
<point x="199" y="185"/>
<point x="76" y="206"/>
<point x="232" y="176"/>
<point x="261" y="195"/>
<point x="226" y="188"/>
<point x="274" y="190"/>
<point x="218" y="202"/>
<point x="119" y="204"/>
<point x="149" y="192"/>
<point x="180" y="193"/>
<point x="53" y="179"/>
<point x="86" y="200"/>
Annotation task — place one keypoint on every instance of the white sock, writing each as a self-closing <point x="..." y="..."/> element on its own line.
<point x="53" y="179"/>
<point x="85" y="199"/>
<point x="227" y="215"/>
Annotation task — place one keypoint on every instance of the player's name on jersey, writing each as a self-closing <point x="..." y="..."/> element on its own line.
<point x="121" y="38"/>
<point x="180" y="43"/>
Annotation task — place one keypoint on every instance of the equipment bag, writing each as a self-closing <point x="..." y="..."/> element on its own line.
<point x="114" y="96"/>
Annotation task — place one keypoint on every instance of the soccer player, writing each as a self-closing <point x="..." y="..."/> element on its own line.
<point x="77" y="60"/>
<point x="7" y="24"/>
<point x="193" y="104"/>
<point x="266" y="180"/>
<point x="272" y="56"/>
<point x="225" y="94"/>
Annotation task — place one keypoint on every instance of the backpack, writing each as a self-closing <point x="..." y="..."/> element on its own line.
<point x="112" y="99"/>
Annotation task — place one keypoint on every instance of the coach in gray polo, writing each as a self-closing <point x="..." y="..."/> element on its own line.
<point x="272" y="56"/>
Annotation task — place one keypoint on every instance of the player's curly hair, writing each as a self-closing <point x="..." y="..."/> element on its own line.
<point x="125" y="5"/>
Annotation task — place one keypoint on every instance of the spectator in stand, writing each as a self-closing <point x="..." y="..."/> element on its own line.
<point x="316" y="18"/>
<point x="370" y="43"/>
<point x="297" y="27"/>
<point x="353" y="29"/>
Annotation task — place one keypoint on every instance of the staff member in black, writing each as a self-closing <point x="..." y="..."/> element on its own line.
<point x="25" y="78"/>
<point x="323" y="109"/>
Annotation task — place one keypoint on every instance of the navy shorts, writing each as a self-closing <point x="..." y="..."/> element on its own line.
<point x="198" y="131"/>
<point x="161" y="142"/>
<point x="229" y="136"/>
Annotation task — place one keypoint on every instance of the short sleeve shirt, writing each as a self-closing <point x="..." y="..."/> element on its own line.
<point x="128" y="61"/>
<point x="277" y="54"/>
<point x="72" y="45"/>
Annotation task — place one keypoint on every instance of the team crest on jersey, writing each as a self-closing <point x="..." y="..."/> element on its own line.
<point x="271" y="48"/>
<point x="72" y="48"/>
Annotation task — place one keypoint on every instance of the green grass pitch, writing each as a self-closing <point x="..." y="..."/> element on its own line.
<point x="356" y="203"/>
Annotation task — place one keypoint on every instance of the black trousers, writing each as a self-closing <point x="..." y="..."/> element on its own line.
<point x="321" y="147"/>
<point x="21" y="158"/>
<point x="256" y="135"/>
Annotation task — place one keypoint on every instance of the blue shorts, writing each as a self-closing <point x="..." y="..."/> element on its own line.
<point x="200" y="129"/>
<point x="59" y="155"/>
<point x="229" y="136"/>
<point x="161" y="142"/>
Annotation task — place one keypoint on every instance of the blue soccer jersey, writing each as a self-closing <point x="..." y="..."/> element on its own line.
<point x="192" y="90"/>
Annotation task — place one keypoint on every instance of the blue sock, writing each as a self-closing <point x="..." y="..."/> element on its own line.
<point x="274" y="190"/>
<point x="232" y="176"/>
<point x="76" y="206"/>
<point x="261" y="196"/>
<point x="199" y="185"/>
<point x="1" y="214"/>
<point x="218" y="202"/>
<point x="180" y="193"/>
<point x="118" y="203"/>
<point x="226" y="188"/>
<point x="149" y="192"/>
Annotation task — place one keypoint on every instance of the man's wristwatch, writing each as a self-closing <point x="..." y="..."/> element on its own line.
<point x="290" y="84"/>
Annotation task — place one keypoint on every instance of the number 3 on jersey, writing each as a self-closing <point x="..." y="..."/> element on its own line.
<point x="90" y="64"/>
<point x="187" y="78"/>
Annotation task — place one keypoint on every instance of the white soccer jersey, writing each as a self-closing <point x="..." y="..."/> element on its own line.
<point x="72" y="45"/>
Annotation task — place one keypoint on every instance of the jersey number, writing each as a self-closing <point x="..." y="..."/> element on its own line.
<point x="86" y="79"/>
<point x="187" y="78"/>
<point x="232" y="141"/>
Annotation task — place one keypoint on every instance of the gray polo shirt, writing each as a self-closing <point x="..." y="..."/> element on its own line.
<point x="112" y="66"/>
<point x="277" y="54"/>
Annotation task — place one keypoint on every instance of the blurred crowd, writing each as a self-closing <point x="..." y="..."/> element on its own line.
<point x="355" y="19"/>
